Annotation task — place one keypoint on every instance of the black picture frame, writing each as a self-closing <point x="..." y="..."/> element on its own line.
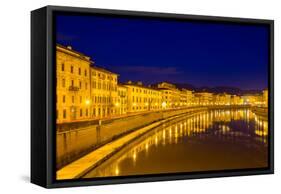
<point x="43" y="85"/>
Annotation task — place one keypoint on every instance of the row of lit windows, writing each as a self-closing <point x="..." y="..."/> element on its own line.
<point x="97" y="112"/>
<point x="65" y="113"/>
<point x="95" y="99"/>
<point x="104" y="86"/>
<point x="139" y="99"/>
<point x="103" y="99"/>
<point x="72" y="70"/>
<point x="64" y="98"/>
<point x="72" y="83"/>
<point x="145" y="107"/>
<point x="103" y="76"/>
<point x="122" y="101"/>
<point x="138" y="90"/>
<point x="85" y="72"/>
<point x="122" y="93"/>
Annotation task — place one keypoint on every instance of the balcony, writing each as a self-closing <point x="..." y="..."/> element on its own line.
<point x="73" y="88"/>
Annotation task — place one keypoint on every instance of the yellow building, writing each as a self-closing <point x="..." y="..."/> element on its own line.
<point x="85" y="92"/>
<point x="73" y="83"/>
<point x="236" y="100"/>
<point x="122" y="102"/>
<point x="142" y="98"/>
<point x="204" y="98"/>
<point x="252" y="99"/>
<point x="222" y="99"/>
<point x="103" y="92"/>
<point x="171" y="96"/>
<point x="186" y="97"/>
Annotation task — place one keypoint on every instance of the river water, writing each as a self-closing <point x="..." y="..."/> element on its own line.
<point x="211" y="140"/>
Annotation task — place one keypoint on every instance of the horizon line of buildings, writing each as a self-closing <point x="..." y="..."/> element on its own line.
<point x="85" y="92"/>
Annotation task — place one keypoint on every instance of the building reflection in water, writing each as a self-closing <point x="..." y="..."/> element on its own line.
<point x="204" y="141"/>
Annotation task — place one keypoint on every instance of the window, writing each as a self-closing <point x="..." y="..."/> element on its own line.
<point x="63" y="83"/>
<point x="72" y="83"/>
<point x="80" y="84"/>
<point x="85" y="72"/>
<point x="79" y="71"/>
<point x="86" y="86"/>
<point x="72" y="99"/>
<point x="62" y="67"/>
<point x="71" y="69"/>
<point x="63" y="98"/>
<point x="81" y="112"/>
<point x="64" y="113"/>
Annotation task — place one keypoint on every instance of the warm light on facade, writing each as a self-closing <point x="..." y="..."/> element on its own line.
<point x="164" y="104"/>
<point x="86" y="92"/>
<point x="87" y="102"/>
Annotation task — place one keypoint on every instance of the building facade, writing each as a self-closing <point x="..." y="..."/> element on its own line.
<point x="204" y="98"/>
<point x="252" y="99"/>
<point x="103" y="93"/>
<point x="171" y="96"/>
<point x="222" y="99"/>
<point x="122" y="102"/>
<point x="85" y="92"/>
<point x="73" y="82"/>
<point x="142" y="98"/>
<point x="188" y="97"/>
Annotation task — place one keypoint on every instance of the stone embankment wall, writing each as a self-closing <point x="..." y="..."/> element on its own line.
<point x="77" y="139"/>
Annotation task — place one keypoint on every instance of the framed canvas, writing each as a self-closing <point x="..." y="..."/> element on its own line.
<point x="126" y="96"/>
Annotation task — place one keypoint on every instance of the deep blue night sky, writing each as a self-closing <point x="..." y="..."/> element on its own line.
<point x="152" y="50"/>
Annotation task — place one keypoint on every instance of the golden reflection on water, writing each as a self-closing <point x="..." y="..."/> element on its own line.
<point x="223" y="124"/>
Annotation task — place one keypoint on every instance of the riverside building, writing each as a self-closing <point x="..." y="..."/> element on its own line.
<point x="88" y="92"/>
<point x="143" y="98"/>
<point x="73" y="82"/>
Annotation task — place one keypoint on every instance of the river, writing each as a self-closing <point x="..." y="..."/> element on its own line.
<point x="210" y="140"/>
